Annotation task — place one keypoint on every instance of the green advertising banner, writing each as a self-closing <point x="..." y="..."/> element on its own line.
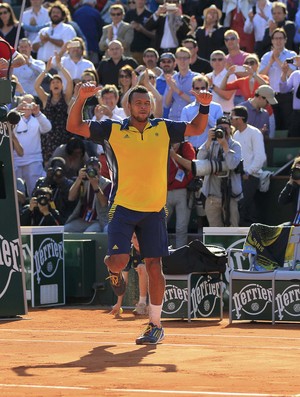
<point x="43" y="251"/>
<point x="12" y="280"/>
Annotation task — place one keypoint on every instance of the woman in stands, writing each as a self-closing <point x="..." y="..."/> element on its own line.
<point x="9" y="24"/>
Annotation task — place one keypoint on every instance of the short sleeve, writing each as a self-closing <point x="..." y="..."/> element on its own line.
<point x="176" y="130"/>
<point x="100" y="131"/>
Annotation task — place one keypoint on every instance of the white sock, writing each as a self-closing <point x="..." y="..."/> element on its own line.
<point x="155" y="314"/>
<point x="143" y="300"/>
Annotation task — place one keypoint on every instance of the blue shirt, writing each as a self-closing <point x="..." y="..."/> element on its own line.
<point x="184" y="84"/>
<point x="161" y="86"/>
<point x="90" y="22"/>
<point x="191" y="110"/>
<point x="292" y="83"/>
<point x="275" y="70"/>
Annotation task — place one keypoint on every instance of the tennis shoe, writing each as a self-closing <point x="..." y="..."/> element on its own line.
<point x="151" y="336"/>
<point x="117" y="283"/>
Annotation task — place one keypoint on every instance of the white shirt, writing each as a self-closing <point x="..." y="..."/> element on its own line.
<point x="227" y="104"/>
<point x="62" y="31"/>
<point x="75" y="69"/>
<point x="253" y="149"/>
<point x="41" y="18"/>
<point x="258" y="23"/>
<point x="117" y="114"/>
<point x="27" y="74"/>
<point x="28" y="132"/>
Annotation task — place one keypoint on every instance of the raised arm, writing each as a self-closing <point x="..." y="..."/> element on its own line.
<point x="75" y="122"/>
<point x="199" y="122"/>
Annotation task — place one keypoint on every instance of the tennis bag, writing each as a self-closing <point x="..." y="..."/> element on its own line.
<point x="195" y="257"/>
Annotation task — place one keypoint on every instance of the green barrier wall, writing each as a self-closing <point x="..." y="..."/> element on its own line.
<point x="12" y="280"/>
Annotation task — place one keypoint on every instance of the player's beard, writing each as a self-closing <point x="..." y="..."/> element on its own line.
<point x="140" y="118"/>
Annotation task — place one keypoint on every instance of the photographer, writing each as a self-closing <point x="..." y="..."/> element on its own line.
<point x="60" y="186"/>
<point x="291" y="191"/>
<point x="39" y="212"/>
<point x="92" y="190"/>
<point x="218" y="161"/>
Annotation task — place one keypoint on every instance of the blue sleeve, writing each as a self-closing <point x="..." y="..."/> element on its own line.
<point x="176" y="130"/>
<point x="100" y="131"/>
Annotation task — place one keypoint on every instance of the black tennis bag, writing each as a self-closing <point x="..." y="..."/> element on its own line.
<point x="195" y="257"/>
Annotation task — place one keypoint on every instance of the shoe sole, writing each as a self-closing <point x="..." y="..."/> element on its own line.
<point x="141" y="342"/>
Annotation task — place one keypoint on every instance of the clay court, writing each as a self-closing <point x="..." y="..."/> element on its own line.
<point x="84" y="351"/>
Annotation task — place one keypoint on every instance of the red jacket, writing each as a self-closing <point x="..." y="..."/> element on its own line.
<point x="187" y="151"/>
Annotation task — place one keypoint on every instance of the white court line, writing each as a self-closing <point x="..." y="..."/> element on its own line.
<point x="117" y="343"/>
<point x="45" y="387"/>
<point x="260" y="337"/>
<point x="202" y="393"/>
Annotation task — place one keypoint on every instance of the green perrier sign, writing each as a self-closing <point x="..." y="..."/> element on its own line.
<point x="12" y="282"/>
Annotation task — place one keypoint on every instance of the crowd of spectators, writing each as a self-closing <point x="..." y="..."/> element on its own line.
<point x="244" y="52"/>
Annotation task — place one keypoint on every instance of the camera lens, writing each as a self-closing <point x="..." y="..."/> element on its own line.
<point x="43" y="200"/>
<point x="219" y="133"/>
<point x="58" y="171"/>
<point x="91" y="172"/>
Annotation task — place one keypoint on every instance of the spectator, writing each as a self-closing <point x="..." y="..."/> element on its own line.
<point x="249" y="83"/>
<point x="32" y="125"/>
<point x="257" y="21"/>
<point x="138" y="264"/>
<point x="254" y="157"/>
<point x="222" y="190"/>
<point x="28" y="73"/>
<point x="292" y="84"/>
<point x="235" y="57"/>
<point x="34" y="19"/>
<point x="198" y="65"/>
<point x="91" y="190"/>
<point x="215" y="78"/>
<point x="39" y="212"/>
<point x="297" y="33"/>
<point x="170" y="26"/>
<point x="177" y="199"/>
<point x="291" y="191"/>
<point x="92" y="30"/>
<point x="107" y="108"/>
<point x="278" y="20"/>
<point x="108" y="69"/>
<point x="74" y="154"/>
<point x="51" y="39"/>
<point x="8" y="53"/>
<point x="179" y="86"/>
<point x="167" y="64"/>
<point x="59" y="184"/>
<point x="197" y="8"/>
<point x="189" y="112"/>
<point x="258" y="116"/>
<point x="9" y="24"/>
<point x="55" y="106"/>
<point x="73" y="58"/>
<point x="271" y="64"/>
<point x="150" y="59"/>
<point x="141" y="36"/>
<point x="126" y="80"/>
<point x="117" y="30"/>
<point x="210" y="36"/>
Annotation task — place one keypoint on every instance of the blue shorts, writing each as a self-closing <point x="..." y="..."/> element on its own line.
<point x="150" y="228"/>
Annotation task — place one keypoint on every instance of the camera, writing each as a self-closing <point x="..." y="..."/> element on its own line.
<point x="208" y="167"/>
<point x="56" y="171"/>
<point x="43" y="200"/>
<point x="91" y="172"/>
<point x="28" y="106"/>
<point x="220" y="132"/>
<point x="289" y="60"/>
<point x="295" y="174"/>
<point x="74" y="44"/>
<point x="240" y="69"/>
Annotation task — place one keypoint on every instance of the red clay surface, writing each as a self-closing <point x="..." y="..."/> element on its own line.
<point x="84" y="351"/>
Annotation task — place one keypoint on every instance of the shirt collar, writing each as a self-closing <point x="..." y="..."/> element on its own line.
<point x="151" y="123"/>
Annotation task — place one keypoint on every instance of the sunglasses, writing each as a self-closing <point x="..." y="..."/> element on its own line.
<point x="235" y="117"/>
<point x="124" y="76"/>
<point x="199" y="88"/>
<point x="4" y="13"/>
<point x="251" y="63"/>
<point x="152" y="77"/>
<point x="232" y="38"/>
<point x="21" y="132"/>
<point x="217" y="59"/>
<point x="117" y="14"/>
<point x="263" y="97"/>
<point x="131" y="2"/>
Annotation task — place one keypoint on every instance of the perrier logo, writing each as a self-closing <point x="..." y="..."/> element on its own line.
<point x="47" y="258"/>
<point x="252" y="300"/>
<point x="9" y="254"/>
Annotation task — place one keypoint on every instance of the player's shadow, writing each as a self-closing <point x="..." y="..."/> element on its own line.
<point x="103" y="357"/>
